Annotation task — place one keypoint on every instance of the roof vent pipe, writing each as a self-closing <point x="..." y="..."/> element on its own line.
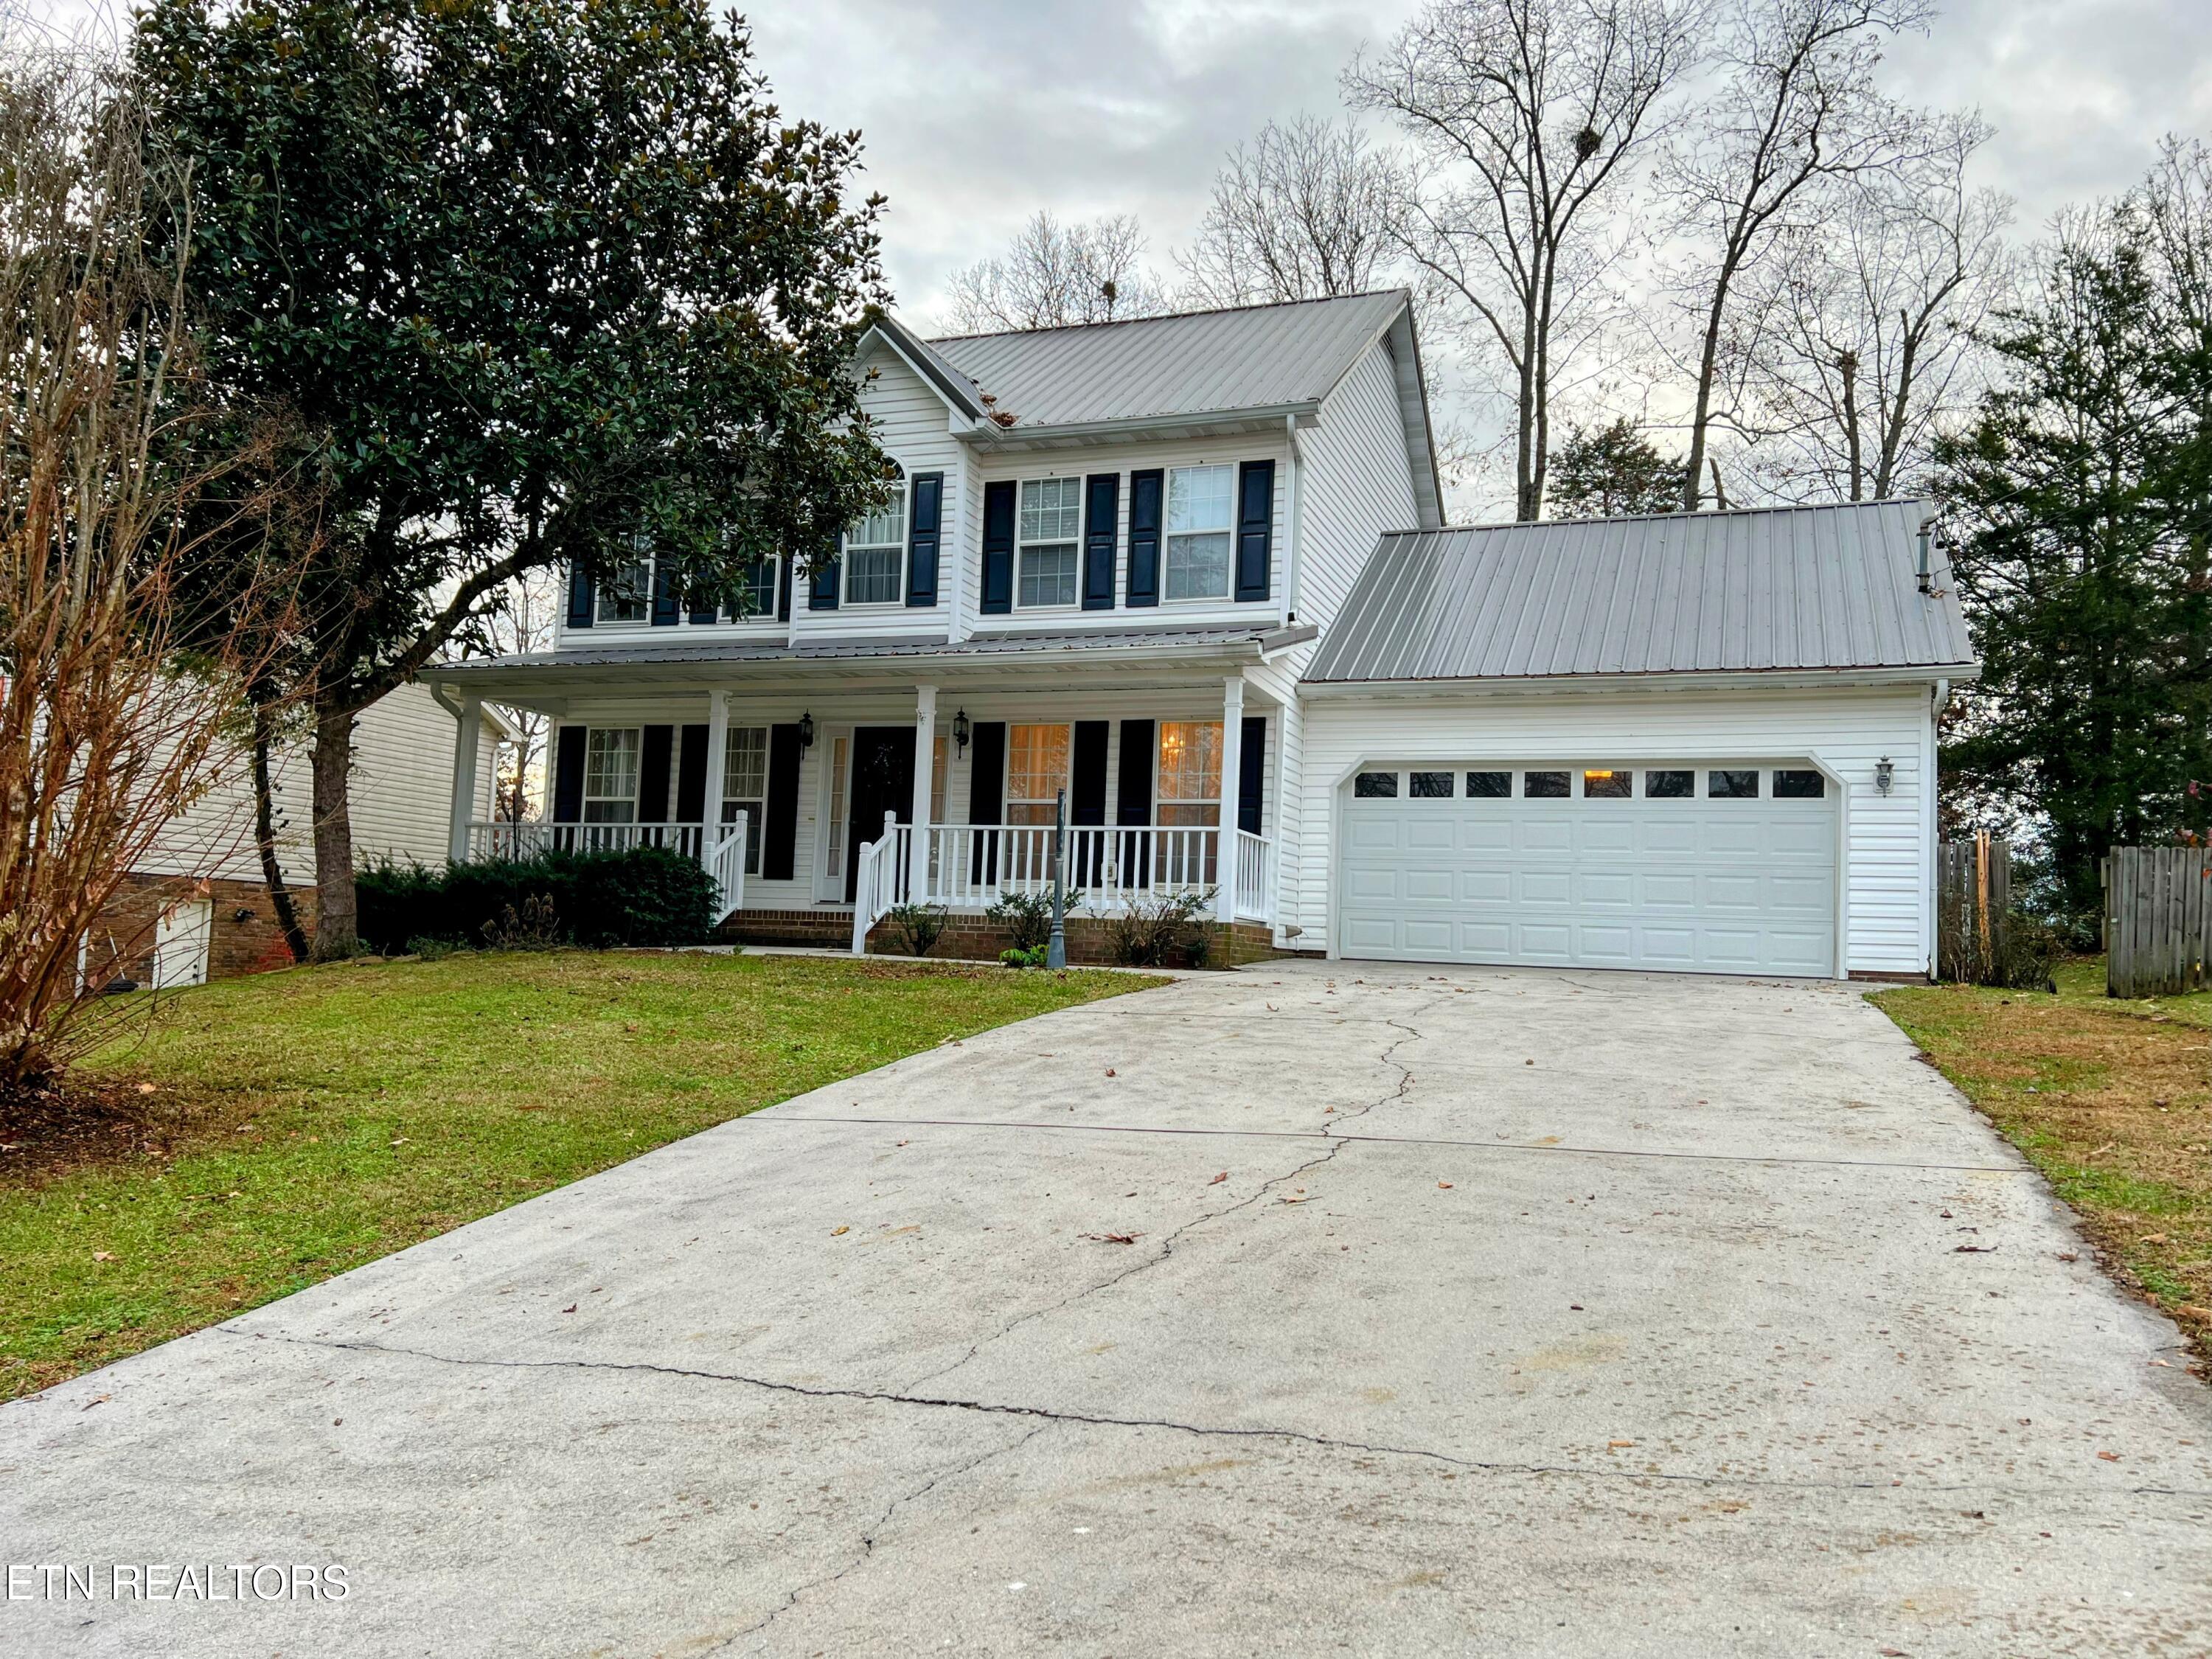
<point x="1927" y="528"/>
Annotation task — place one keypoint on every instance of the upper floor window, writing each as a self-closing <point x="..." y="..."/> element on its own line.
<point x="875" y="553"/>
<point x="755" y="597"/>
<point x="610" y="755"/>
<point x="1051" y="525"/>
<point x="626" y="595"/>
<point x="1200" y="499"/>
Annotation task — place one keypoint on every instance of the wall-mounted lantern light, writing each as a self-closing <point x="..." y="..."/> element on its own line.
<point x="1883" y="773"/>
<point x="962" y="729"/>
<point x="807" y="731"/>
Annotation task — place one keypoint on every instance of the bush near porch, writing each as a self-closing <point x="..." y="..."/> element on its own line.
<point x="271" y="1132"/>
<point x="645" y="895"/>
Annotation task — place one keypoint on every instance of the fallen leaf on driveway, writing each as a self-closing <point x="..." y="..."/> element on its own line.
<point x="571" y="1308"/>
<point x="1616" y="1445"/>
<point x="1114" y="1238"/>
<point x="1110" y="1070"/>
<point x="838" y="1232"/>
<point x="2109" y="1457"/>
<point x="97" y="1400"/>
<point x="1219" y="1179"/>
<point x="1302" y="1199"/>
<point x="1446" y="1185"/>
<point x="1548" y="1141"/>
<point x="1973" y="1249"/>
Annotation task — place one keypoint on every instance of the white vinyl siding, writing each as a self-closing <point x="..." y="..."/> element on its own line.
<point x="1353" y="486"/>
<point x="1887" y="857"/>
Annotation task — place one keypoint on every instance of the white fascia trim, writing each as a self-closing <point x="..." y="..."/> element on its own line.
<point x="990" y="436"/>
<point x="1743" y="680"/>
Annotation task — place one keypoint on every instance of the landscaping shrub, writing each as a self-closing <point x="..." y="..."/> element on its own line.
<point x="1027" y="918"/>
<point x="1152" y="932"/>
<point x="919" y="925"/>
<point x="649" y="896"/>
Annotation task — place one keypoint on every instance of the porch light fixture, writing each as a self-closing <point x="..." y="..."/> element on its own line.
<point x="807" y="731"/>
<point x="1883" y="772"/>
<point x="962" y="729"/>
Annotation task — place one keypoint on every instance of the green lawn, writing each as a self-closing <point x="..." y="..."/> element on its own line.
<point x="301" y="1123"/>
<point x="2111" y="1099"/>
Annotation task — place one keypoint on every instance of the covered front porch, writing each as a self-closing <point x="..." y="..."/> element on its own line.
<point x="846" y="796"/>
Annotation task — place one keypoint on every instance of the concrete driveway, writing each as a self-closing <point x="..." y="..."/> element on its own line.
<point x="1469" y="1311"/>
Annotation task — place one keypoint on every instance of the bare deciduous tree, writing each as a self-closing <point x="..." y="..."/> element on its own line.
<point x="118" y="701"/>
<point x="1051" y="274"/>
<point x="1300" y="213"/>
<point x="524" y="623"/>
<point x="1856" y="338"/>
<point x="1796" y="115"/>
<point x="1529" y="117"/>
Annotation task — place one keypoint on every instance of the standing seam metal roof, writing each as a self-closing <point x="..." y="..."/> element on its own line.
<point x="1200" y="362"/>
<point x="1820" y="587"/>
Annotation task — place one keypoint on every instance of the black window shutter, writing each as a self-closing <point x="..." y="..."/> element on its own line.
<point x="780" y="833"/>
<point x="1101" y="507"/>
<point x="579" y="596"/>
<point x="821" y="584"/>
<point x="653" y="760"/>
<point x="703" y="608"/>
<point x="783" y="589"/>
<point x="922" y="539"/>
<point x="569" y="776"/>
<point x="998" y="549"/>
<point x="1134" y="799"/>
<point x="1251" y="767"/>
<point x="986" y="772"/>
<point x="986" y="797"/>
<point x="666" y="607"/>
<point x="1145" y="489"/>
<point x="1086" y="795"/>
<point x="1255" y="527"/>
<point x="691" y="777"/>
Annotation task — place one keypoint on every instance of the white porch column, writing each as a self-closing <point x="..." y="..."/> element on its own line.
<point x="718" y="728"/>
<point x="925" y="758"/>
<point x="1232" y="747"/>
<point x="470" y="720"/>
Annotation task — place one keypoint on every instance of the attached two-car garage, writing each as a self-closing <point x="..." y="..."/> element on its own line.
<point x="1728" y="869"/>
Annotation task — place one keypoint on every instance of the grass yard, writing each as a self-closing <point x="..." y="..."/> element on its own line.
<point x="268" y="1132"/>
<point x="2111" y="1100"/>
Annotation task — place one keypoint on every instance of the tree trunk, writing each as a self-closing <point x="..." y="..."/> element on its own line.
<point x="335" y="935"/>
<point x="1694" y="464"/>
<point x="264" y="838"/>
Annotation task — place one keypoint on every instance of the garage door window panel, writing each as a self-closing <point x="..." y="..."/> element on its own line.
<point x="1376" y="786"/>
<point x="1490" y="786"/>
<point x="1670" y="786"/>
<point x="1732" y="784"/>
<point x="1546" y="785"/>
<point x="1794" y="785"/>
<point x="1613" y="783"/>
<point x="1430" y="786"/>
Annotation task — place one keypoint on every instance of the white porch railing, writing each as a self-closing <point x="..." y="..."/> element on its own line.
<point x="882" y="877"/>
<point x="970" y="867"/>
<point x="724" y="859"/>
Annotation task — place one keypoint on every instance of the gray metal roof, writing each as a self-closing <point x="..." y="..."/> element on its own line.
<point x="1804" y="588"/>
<point x="1202" y="362"/>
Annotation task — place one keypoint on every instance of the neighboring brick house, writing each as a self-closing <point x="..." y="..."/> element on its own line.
<point x="200" y="910"/>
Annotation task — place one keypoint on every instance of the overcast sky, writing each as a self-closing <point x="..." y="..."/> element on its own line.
<point x="977" y="113"/>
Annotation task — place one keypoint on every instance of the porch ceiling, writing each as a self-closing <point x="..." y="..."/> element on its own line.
<point x="1130" y="660"/>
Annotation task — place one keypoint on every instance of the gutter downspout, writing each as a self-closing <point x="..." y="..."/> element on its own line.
<point x="1296" y="515"/>
<point x="1937" y="702"/>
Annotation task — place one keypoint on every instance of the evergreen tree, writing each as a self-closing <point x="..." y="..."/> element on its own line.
<point x="1611" y="472"/>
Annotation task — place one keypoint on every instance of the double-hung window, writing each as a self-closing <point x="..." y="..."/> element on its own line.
<point x="626" y="593"/>
<point x="610" y="755"/>
<point x="1051" y="525"/>
<point x="1190" y="773"/>
<point x="875" y="553"/>
<point x="1036" y="771"/>
<point x="1200" y="502"/>
<point x="745" y="785"/>
<point x="755" y="596"/>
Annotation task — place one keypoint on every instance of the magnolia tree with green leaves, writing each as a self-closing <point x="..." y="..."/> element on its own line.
<point x="534" y="283"/>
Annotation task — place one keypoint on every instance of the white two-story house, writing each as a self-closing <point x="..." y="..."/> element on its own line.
<point x="1190" y="574"/>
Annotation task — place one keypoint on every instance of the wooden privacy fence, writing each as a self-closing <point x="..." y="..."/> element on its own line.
<point x="1973" y="897"/>
<point x="2158" y="921"/>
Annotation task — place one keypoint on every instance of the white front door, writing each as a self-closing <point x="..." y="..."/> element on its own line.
<point x="180" y="944"/>
<point x="1690" y="868"/>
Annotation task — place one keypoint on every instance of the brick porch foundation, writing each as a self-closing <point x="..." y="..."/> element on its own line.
<point x="973" y="937"/>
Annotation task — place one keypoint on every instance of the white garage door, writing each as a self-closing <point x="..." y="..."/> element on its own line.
<point x="1699" y="868"/>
